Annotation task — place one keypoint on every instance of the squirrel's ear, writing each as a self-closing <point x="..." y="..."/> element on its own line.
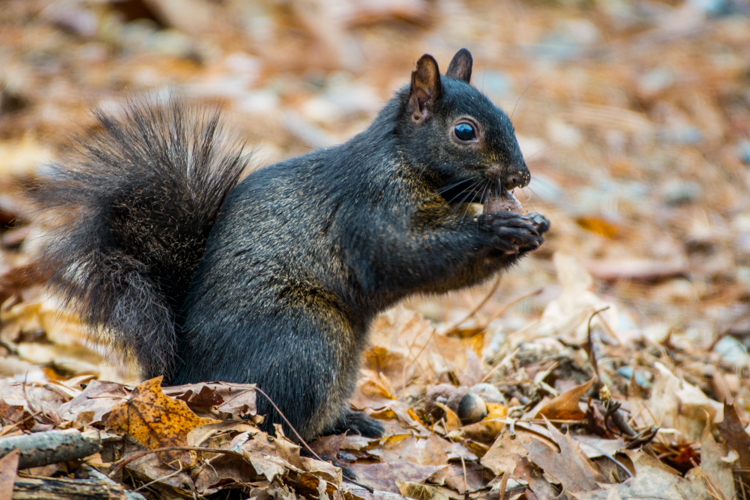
<point x="425" y="88"/>
<point x="460" y="66"/>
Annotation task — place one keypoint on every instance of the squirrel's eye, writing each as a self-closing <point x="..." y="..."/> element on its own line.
<point x="464" y="132"/>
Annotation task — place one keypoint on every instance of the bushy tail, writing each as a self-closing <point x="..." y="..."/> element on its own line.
<point x="135" y="205"/>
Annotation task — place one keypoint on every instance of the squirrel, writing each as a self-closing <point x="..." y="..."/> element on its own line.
<point x="275" y="279"/>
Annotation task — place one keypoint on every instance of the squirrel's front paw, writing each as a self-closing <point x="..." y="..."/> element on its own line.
<point x="538" y="221"/>
<point x="512" y="233"/>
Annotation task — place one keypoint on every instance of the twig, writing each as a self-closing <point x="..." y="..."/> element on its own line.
<point x="307" y="447"/>
<point x="466" y="482"/>
<point x="480" y="305"/>
<point x="590" y="343"/>
<point x="619" y="419"/>
<point x="503" y="485"/>
<point x="160" y="478"/>
<point x="141" y="454"/>
<point x="512" y="303"/>
<point x="5" y="430"/>
<point x="501" y="363"/>
<point x="50" y="447"/>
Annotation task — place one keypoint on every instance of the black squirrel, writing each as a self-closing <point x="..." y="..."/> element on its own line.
<point x="275" y="280"/>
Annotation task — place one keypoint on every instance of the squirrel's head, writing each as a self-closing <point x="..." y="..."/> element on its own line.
<point x="457" y="134"/>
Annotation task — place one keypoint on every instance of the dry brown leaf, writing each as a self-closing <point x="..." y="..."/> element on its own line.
<point x="594" y="446"/>
<point x="542" y="488"/>
<point x="470" y="367"/>
<point x="385" y="476"/>
<point x="8" y="469"/>
<point x="236" y="399"/>
<point x="376" y="387"/>
<point x="33" y="397"/>
<point x="14" y="415"/>
<point x="566" y="405"/>
<point x="163" y="474"/>
<point x="393" y="364"/>
<point x="422" y="450"/>
<point x="97" y="400"/>
<point x="328" y="446"/>
<point x="450" y="419"/>
<point x="223" y="470"/>
<point x="286" y="450"/>
<point x="221" y="434"/>
<point x="676" y="404"/>
<point x="461" y="477"/>
<point x="486" y="430"/>
<point x="501" y="456"/>
<point x="736" y="436"/>
<point x="570" y="466"/>
<point x="718" y="473"/>
<point x="653" y="479"/>
<point x="567" y="317"/>
<point x="421" y="491"/>
<point x="154" y="419"/>
<point x="270" y="468"/>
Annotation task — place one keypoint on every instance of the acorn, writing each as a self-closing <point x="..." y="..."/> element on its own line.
<point x="469" y="406"/>
<point x="471" y="409"/>
<point x="488" y="393"/>
<point x="440" y="394"/>
<point x="505" y="202"/>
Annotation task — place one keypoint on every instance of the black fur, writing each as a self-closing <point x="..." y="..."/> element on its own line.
<point x="303" y="253"/>
<point x="139" y="200"/>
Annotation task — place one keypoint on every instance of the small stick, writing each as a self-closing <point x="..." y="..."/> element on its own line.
<point x="50" y="447"/>
<point x="501" y="363"/>
<point x="512" y="303"/>
<point x="480" y="305"/>
<point x="172" y="448"/>
<point x="466" y="482"/>
<point x="589" y="347"/>
<point x="290" y="425"/>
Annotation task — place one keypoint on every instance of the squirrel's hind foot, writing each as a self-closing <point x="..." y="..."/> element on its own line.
<point x="361" y="424"/>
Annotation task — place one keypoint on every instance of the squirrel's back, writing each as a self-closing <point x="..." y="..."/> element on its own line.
<point x="135" y="204"/>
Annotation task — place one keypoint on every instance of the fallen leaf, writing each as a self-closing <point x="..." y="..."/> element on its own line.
<point x="154" y="419"/>
<point x="223" y="470"/>
<point x="565" y="406"/>
<point x="8" y="469"/>
<point x="236" y="399"/>
<point x="461" y="477"/>
<point x="736" y="436"/>
<point x="393" y="364"/>
<point x="422" y="450"/>
<point x="653" y="479"/>
<point x="570" y="465"/>
<point x="98" y="398"/>
<point x="421" y="492"/>
<point x="675" y="404"/>
<point x="385" y="476"/>
<point x="328" y="446"/>
<point x="533" y="476"/>
<point x="501" y="456"/>
<point x="718" y="473"/>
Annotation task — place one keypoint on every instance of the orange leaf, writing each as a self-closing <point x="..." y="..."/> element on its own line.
<point x="565" y="406"/>
<point x="154" y="419"/>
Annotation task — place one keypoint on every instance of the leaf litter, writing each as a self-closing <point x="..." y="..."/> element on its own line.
<point x="610" y="364"/>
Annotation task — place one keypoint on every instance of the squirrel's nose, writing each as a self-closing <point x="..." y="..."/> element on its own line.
<point x="518" y="178"/>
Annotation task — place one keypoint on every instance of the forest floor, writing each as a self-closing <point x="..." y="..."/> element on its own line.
<point x="611" y="363"/>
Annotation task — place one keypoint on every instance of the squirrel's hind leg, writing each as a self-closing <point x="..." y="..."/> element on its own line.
<point x="357" y="422"/>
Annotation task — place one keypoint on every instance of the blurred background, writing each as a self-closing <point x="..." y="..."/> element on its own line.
<point x="633" y="115"/>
